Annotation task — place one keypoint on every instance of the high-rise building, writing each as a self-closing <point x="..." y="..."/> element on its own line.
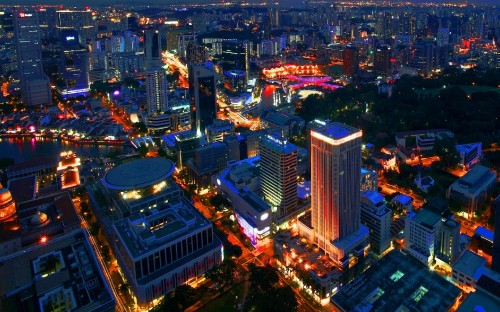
<point x="182" y="45"/>
<point x="196" y="54"/>
<point x="81" y="20"/>
<point x="278" y="176"/>
<point x="350" y="57"/>
<point x="152" y="48"/>
<point x="75" y="77"/>
<point x="423" y="56"/>
<point x="236" y="55"/>
<point x="382" y="61"/>
<point x="156" y="90"/>
<point x="335" y="197"/>
<point x="35" y="86"/>
<point x="47" y="18"/>
<point x="203" y="97"/>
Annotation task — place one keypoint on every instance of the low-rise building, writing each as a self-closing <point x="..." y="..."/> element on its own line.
<point x="470" y="154"/>
<point x="470" y="191"/>
<point x="239" y="183"/>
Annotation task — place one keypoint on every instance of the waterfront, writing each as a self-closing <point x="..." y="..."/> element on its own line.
<point x="24" y="149"/>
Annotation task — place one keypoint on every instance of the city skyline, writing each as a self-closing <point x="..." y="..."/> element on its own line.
<point x="302" y="156"/>
<point x="284" y="3"/>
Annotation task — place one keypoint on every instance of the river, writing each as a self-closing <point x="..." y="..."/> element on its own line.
<point x="24" y="149"/>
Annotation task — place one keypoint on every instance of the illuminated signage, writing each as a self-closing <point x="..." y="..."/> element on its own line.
<point x="68" y="38"/>
<point x="22" y="14"/>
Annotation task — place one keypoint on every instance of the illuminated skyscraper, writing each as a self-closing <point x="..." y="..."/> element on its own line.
<point x="203" y="97"/>
<point x="335" y="198"/>
<point x="156" y="90"/>
<point x="35" y="86"/>
<point x="278" y="176"/>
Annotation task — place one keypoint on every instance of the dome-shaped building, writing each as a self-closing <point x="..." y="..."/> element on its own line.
<point x="7" y="205"/>
<point x="39" y="219"/>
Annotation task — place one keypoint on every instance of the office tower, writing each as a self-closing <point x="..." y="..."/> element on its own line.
<point x="152" y="48"/>
<point x="80" y="20"/>
<point x="423" y="56"/>
<point x="335" y="197"/>
<point x="443" y="37"/>
<point x="75" y="76"/>
<point x="377" y="217"/>
<point x="6" y="25"/>
<point x="196" y="54"/>
<point x="351" y="60"/>
<point x="495" y="263"/>
<point x="203" y="97"/>
<point x="382" y="61"/>
<point x="156" y="90"/>
<point x="47" y="18"/>
<point x="182" y="44"/>
<point x="278" y="176"/>
<point x="236" y="55"/>
<point x="35" y="86"/>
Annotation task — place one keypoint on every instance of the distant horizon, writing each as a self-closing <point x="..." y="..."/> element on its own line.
<point x="284" y="3"/>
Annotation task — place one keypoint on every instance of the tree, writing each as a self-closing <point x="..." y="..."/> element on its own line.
<point x="184" y="296"/>
<point x="219" y="202"/>
<point x="263" y="278"/>
<point x="283" y="299"/>
<point x="223" y="273"/>
<point x="131" y="82"/>
<point x="143" y="150"/>
<point x="141" y="126"/>
<point x="94" y="229"/>
<point x="124" y="287"/>
<point x="446" y="149"/>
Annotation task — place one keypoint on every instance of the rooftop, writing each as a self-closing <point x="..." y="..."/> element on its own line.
<point x="375" y="197"/>
<point x="468" y="263"/>
<point x="74" y="275"/>
<point x="475" y="178"/>
<point x="484" y="232"/>
<point x="397" y="282"/>
<point x="279" y="118"/>
<point x="338" y="131"/>
<point x="47" y="161"/>
<point x="138" y="173"/>
<point x="144" y="231"/>
<point x="427" y="218"/>
<point x="23" y="189"/>
<point x="468" y="147"/>
<point x="278" y="145"/>
<point x="480" y="300"/>
<point x="255" y="201"/>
